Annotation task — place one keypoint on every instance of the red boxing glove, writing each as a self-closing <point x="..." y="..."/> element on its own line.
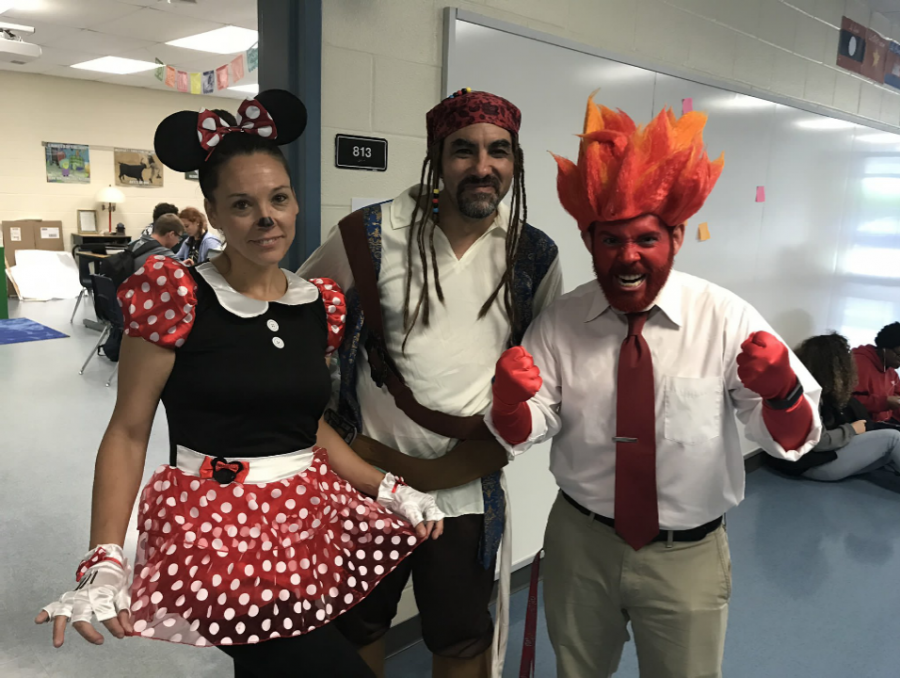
<point x="764" y="366"/>
<point x="517" y="380"/>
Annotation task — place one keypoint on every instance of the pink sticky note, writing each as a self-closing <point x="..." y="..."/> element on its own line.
<point x="760" y="194"/>
<point x="687" y="105"/>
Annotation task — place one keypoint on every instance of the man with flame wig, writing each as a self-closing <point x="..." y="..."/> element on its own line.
<point x="637" y="381"/>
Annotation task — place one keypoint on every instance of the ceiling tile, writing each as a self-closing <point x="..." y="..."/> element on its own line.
<point x="135" y="29"/>
<point x="157" y="26"/>
<point x="98" y="43"/>
<point x="38" y="66"/>
<point x="234" y="12"/>
<point x="73" y="13"/>
<point x="44" y="32"/>
<point x="64" y="57"/>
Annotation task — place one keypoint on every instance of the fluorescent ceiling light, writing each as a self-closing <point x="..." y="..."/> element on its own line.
<point x="246" y="89"/>
<point x="824" y="123"/>
<point x="225" y="40"/>
<point x="116" y="65"/>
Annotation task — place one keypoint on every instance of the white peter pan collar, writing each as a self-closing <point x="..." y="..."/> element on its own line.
<point x="299" y="291"/>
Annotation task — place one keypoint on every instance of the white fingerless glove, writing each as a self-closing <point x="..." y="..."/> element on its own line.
<point x="413" y="505"/>
<point x="102" y="588"/>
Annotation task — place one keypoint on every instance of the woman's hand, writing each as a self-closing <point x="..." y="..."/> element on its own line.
<point x="102" y="591"/>
<point x="859" y="426"/>
<point x="418" y="508"/>
<point x="188" y="262"/>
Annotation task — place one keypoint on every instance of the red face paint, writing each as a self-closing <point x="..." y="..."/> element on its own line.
<point x="632" y="261"/>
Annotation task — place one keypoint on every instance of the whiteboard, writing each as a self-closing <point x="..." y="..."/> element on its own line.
<point x="821" y="252"/>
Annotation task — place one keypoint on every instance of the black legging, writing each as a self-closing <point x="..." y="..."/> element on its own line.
<point x="323" y="653"/>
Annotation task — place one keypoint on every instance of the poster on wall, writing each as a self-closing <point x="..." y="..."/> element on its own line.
<point x="892" y="66"/>
<point x="137" y="168"/>
<point x="875" y="56"/>
<point x="68" y="163"/>
<point x="851" y="45"/>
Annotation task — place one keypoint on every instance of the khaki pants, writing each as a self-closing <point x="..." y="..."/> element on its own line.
<point x="675" y="598"/>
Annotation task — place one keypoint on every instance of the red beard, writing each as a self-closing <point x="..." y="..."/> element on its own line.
<point x="628" y="301"/>
<point x="642" y="250"/>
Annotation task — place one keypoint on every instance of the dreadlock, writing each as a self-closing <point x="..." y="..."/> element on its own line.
<point x="422" y="228"/>
<point x="828" y="359"/>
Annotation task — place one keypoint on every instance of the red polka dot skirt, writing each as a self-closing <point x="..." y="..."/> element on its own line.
<point x="244" y="563"/>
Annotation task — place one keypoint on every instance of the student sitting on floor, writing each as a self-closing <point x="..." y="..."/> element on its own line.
<point x="878" y="386"/>
<point x="851" y="444"/>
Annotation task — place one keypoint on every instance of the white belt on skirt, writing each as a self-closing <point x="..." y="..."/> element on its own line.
<point x="259" y="469"/>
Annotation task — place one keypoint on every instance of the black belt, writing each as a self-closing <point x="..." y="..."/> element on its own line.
<point x="694" y="534"/>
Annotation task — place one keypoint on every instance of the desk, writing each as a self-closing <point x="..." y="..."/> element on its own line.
<point x="100" y="239"/>
<point x="93" y="258"/>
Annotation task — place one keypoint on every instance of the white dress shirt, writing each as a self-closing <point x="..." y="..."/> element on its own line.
<point x="449" y="364"/>
<point x="694" y="331"/>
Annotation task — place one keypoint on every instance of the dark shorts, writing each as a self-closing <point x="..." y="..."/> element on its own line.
<point x="452" y="589"/>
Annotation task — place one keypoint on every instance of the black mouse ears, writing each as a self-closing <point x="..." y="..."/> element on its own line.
<point x="183" y="145"/>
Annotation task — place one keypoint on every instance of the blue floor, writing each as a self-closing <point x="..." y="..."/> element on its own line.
<point x="816" y="569"/>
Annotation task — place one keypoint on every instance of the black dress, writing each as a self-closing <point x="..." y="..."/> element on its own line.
<point x="238" y="559"/>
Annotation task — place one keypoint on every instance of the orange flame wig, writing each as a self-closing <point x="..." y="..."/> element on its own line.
<point x="625" y="171"/>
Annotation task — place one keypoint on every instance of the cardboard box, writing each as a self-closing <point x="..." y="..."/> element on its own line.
<point x="30" y="234"/>
<point x="48" y="236"/>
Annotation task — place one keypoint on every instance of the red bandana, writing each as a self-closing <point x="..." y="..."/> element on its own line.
<point x="469" y="108"/>
<point x="251" y="117"/>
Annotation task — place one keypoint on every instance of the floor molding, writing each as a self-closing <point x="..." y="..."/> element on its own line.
<point x="406" y="634"/>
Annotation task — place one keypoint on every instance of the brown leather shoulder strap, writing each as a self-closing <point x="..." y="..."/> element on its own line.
<point x="356" y="245"/>
<point x="384" y="370"/>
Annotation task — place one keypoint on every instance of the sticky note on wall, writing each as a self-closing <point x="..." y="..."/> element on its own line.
<point x="760" y="194"/>
<point x="703" y="232"/>
<point x="687" y="105"/>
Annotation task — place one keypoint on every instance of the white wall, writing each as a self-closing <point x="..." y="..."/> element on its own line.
<point x="381" y="62"/>
<point x="38" y="108"/>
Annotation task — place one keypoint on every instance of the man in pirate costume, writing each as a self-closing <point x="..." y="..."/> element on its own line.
<point x="441" y="280"/>
<point x="639" y="380"/>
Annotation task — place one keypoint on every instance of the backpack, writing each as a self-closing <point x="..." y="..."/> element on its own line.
<point x="112" y="345"/>
<point x="118" y="267"/>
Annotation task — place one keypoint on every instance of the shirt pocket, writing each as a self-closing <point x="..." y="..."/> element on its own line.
<point x="693" y="409"/>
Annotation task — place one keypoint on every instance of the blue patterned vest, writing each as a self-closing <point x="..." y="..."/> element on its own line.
<point x="536" y="253"/>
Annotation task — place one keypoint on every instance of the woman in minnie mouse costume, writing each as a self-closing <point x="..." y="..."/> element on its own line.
<point x="258" y="532"/>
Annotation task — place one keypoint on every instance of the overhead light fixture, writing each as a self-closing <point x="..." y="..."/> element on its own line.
<point x="824" y="124"/>
<point x="116" y="65"/>
<point x="225" y="40"/>
<point x="246" y="89"/>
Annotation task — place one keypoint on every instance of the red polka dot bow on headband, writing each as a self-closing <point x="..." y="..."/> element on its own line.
<point x="252" y="118"/>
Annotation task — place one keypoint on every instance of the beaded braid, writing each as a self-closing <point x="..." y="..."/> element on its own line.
<point x="429" y="182"/>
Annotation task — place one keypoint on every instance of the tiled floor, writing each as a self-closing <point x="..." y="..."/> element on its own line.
<point x="815" y="566"/>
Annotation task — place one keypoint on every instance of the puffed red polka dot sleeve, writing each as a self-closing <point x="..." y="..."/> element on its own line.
<point x="158" y="302"/>
<point x="335" y="311"/>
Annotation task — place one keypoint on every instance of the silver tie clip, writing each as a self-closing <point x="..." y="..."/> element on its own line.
<point x="621" y="439"/>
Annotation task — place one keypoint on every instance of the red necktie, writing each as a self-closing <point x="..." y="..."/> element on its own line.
<point x="637" y="514"/>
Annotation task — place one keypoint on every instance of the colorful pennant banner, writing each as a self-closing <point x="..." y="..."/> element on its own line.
<point x="209" y="81"/>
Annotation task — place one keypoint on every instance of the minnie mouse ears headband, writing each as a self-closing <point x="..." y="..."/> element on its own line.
<point x="185" y="140"/>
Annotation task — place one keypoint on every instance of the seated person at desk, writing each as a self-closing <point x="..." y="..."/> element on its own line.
<point x="196" y="247"/>
<point x="851" y="443"/>
<point x="878" y="386"/>
<point x="158" y="211"/>
<point x="167" y="231"/>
